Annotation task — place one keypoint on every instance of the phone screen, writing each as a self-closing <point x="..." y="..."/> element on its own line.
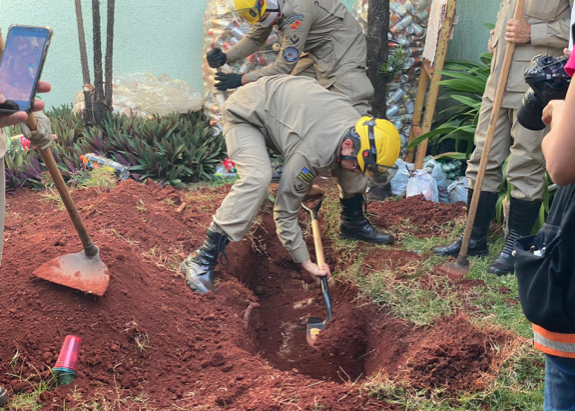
<point x="21" y="65"/>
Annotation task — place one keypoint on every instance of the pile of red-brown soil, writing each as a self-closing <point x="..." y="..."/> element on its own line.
<point x="421" y="217"/>
<point x="151" y="339"/>
<point x="454" y="355"/>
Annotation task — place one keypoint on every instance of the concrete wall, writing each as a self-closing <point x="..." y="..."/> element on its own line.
<point x="167" y="37"/>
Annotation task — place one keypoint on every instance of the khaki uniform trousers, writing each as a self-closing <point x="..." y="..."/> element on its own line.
<point x="526" y="166"/>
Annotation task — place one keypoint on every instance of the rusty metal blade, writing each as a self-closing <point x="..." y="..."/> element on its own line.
<point x="76" y="271"/>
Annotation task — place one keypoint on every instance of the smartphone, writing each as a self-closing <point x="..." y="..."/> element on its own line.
<point x="21" y="65"/>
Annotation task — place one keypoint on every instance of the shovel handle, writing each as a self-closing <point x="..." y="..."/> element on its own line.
<point x="89" y="247"/>
<point x="317" y="243"/>
<point x="320" y="262"/>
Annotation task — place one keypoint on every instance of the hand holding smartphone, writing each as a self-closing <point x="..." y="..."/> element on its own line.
<point x="21" y="66"/>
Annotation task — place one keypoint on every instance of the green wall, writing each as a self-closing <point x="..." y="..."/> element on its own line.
<point x="470" y="36"/>
<point x="167" y="37"/>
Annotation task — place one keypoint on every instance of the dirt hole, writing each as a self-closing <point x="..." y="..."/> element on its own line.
<point x="362" y="340"/>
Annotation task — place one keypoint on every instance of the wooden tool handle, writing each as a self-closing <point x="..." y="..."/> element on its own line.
<point x="89" y="247"/>
<point x="317" y="243"/>
<point x="499" y="93"/>
<point x="31" y="122"/>
<point x="320" y="262"/>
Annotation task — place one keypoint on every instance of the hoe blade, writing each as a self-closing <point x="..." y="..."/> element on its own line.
<point x="76" y="271"/>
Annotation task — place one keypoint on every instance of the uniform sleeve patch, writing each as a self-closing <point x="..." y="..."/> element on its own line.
<point x="294" y="39"/>
<point x="306" y="176"/>
<point x="291" y="54"/>
<point x="295" y="25"/>
<point x="295" y="17"/>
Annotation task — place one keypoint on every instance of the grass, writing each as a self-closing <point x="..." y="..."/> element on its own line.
<point x="421" y="295"/>
<point x="517" y="386"/>
<point x="406" y="299"/>
<point x="99" y="178"/>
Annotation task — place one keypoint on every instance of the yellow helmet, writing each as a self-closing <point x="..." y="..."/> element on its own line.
<point x="251" y="10"/>
<point x="380" y="146"/>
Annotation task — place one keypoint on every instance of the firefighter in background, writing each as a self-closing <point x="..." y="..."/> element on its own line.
<point x="323" y="30"/>
<point x="544" y="29"/>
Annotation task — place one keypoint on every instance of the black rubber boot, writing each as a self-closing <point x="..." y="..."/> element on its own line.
<point x="199" y="266"/>
<point x="478" y="241"/>
<point x="354" y="225"/>
<point x="522" y="216"/>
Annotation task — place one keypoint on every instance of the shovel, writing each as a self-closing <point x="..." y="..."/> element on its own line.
<point x="315" y="324"/>
<point x="461" y="266"/>
<point x="83" y="271"/>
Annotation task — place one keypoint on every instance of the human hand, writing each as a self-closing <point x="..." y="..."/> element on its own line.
<point x="314" y="271"/>
<point x="228" y="80"/>
<point x="490" y="42"/>
<point x="553" y="111"/>
<point x="567" y="52"/>
<point x="518" y="31"/>
<point x="7" y="120"/>
<point x="216" y="58"/>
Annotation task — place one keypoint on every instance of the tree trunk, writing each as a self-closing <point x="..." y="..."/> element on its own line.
<point x="377" y="52"/>
<point x="109" y="55"/>
<point x="88" y="112"/>
<point x="99" y="110"/>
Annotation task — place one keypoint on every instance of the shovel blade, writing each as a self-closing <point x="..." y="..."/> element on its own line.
<point x="455" y="270"/>
<point x="76" y="271"/>
<point x="313" y="328"/>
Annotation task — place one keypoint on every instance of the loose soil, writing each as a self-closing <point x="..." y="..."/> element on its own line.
<point x="151" y="341"/>
<point x="420" y="217"/>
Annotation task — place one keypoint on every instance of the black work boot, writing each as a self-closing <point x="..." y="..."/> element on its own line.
<point x="478" y="240"/>
<point x="522" y="216"/>
<point x="199" y="266"/>
<point x="354" y="225"/>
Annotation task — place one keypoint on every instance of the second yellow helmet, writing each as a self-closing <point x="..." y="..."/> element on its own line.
<point x="250" y="10"/>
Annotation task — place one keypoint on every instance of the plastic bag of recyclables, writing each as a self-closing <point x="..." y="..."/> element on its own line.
<point x="399" y="181"/>
<point x="458" y="190"/>
<point x="421" y="182"/>
<point x="439" y="176"/>
<point x="145" y="94"/>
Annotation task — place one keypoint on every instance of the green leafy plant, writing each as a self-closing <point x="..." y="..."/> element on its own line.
<point x="174" y="149"/>
<point x="394" y="64"/>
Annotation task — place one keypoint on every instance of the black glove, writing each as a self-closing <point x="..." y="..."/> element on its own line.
<point x="216" y="58"/>
<point x="228" y="80"/>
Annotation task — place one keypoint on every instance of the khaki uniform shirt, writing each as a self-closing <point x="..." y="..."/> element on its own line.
<point x="3" y="143"/>
<point x="550" y="27"/>
<point x="323" y="28"/>
<point x="305" y="123"/>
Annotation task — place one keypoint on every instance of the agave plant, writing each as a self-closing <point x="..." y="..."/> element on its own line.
<point x="174" y="149"/>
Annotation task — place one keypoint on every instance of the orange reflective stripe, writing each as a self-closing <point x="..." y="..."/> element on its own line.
<point x="558" y="344"/>
<point x="558" y="337"/>
<point x="551" y="351"/>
